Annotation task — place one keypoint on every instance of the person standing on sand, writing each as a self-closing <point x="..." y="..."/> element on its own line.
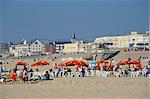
<point x="25" y="75"/>
<point x="77" y="72"/>
<point x="83" y="72"/>
<point x="24" y="68"/>
<point x="1" y="70"/>
<point x="99" y="74"/>
<point x="15" y="69"/>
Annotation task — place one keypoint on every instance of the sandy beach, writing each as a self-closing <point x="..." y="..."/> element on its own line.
<point x="79" y="88"/>
<point x="74" y="49"/>
<point x="75" y="88"/>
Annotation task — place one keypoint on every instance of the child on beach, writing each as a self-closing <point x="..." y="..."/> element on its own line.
<point x="14" y="76"/>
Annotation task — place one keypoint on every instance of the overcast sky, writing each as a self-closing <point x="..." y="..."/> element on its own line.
<point x="58" y="19"/>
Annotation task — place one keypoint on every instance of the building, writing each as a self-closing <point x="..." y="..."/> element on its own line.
<point x="73" y="39"/>
<point x="4" y="47"/>
<point x="20" y="49"/>
<point x="36" y="46"/>
<point x="33" y="47"/>
<point x="140" y="40"/>
<point x="60" y="45"/>
<point x="49" y="48"/>
<point x="71" y="48"/>
<point x="78" y="47"/>
<point x="41" y="46"/>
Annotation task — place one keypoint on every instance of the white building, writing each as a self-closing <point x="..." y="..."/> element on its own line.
<point x="31" y="48"/>
<point x="126" y="41"/>
<point x="21" y="49"/>
<point x="36" y="46"/>
<point x="78" y="47"/>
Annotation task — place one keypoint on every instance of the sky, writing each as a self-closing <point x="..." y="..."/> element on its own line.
<point x="59" y="19"/>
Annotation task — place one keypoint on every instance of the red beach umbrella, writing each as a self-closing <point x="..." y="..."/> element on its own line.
<point x="128" y="62"/>
<point x="40" y="63"/>
<point x="21" y="63"/>
<point x="73" y="63"/>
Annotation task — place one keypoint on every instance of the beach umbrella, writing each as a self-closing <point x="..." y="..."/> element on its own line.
<point x="80" y="62"/>
<point x="61" y="64"/>
<point x="40" y="63"/>
<point x="128" y="62"/>
<point x="36" y="64"/>
<point x="69" y="63"/>
<point x="139" y="66"/>
<point x="73" y="63"/>
<point x="44" y="63"/>
<point x="21" y="63"/>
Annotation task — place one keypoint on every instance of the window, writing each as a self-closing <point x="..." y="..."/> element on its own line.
<point x="36" y="42"/>
<point x="133" y="40"/>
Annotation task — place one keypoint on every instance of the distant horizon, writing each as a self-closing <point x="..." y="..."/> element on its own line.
<point x="54" y="20"/>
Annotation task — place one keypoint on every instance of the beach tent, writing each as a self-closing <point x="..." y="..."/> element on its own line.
<point x="21" y="63"/>
<point x="40" y="63"/>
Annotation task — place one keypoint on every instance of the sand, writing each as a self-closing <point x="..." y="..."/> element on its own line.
<point x="75" y="88"/>
<point x="79" y="88"/>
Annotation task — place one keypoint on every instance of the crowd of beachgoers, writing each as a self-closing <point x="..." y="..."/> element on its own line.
<point x="28" y="74"/>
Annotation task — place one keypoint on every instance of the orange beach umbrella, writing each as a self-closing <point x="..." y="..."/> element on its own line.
<point x="128" y="62"/>
<point x="21" y="63"/>
<point x="73" y="63"/>
<point x="40" y="63"/>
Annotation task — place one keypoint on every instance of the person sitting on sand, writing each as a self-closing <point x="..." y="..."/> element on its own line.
<point x="46" y="76"/>
<point x="37" y="75"/>
<point x="69" y="72"/>
<point x="20" y="76"/>
<point x="3" y="80"/>
<point x="77" y="72"/>
<point x="51" y="72"/>
<point x="65" y="72"/>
